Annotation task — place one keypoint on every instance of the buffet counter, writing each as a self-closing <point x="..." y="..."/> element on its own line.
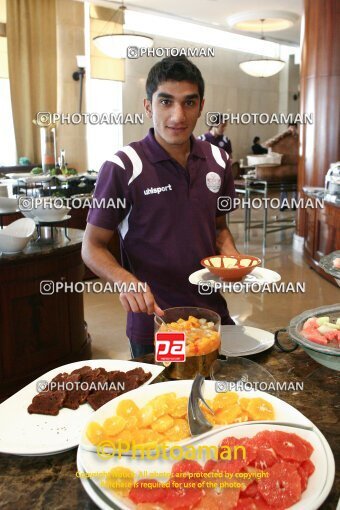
<point x="47" y="482"/>
<point x="321" y="230"/>
<point x="40" y="331"/>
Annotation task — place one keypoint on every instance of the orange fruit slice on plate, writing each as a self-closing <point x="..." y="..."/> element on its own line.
<point x="260" y="409"/>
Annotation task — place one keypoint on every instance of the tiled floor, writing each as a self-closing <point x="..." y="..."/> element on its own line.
<point x="106" y="318"/>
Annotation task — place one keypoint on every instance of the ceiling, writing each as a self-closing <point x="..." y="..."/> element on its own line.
<point x="215" y="13"/>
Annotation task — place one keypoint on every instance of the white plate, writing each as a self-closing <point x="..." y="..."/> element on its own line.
<point x="244" y="340"/>
<point x="259" y="275"/>
<point x="92" y="490"/>
<point x="36" y="178"/>
<point x="319" y="484"/>
<point x="29" y="178"/>
<point x="91" y="177"/>
<point x="41" y="220"/>
<point x="283" y="411"/>
<point x="17" y="176"/>
<point x="38" y="434"/>
<point x="68" y="178"/>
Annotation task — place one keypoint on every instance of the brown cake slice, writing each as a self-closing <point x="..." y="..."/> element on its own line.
<point x="75" y="394"/>
<point x="140" y="373"/>
<point x="90" y="376"/>
<point x="99" y="383"/>
<point x="60" y="377"/>
<point x="117" y="381"/>
<point x="82" y="370"/>
<point x="132" y="383"/>
<point x="47" y="402"/>
<point x="99" y="398"/>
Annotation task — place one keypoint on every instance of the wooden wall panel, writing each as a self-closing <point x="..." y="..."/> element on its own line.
<point x="320" y="86"/>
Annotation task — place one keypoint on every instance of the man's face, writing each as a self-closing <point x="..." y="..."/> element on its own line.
<point x="174" y="109"/>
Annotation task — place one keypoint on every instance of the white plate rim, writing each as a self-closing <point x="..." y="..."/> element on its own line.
<point x="155" y="370"/>
<point x="196" y="277"/>
<point x="263" y="346"/>
<point x="91" y="489"/>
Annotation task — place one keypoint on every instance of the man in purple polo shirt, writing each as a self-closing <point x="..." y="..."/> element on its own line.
<point x="170" y="183"/>
<point x="216" y="136"/>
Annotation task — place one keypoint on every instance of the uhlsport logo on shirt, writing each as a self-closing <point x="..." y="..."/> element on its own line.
<point x="157" y="191"/>
<point x="213" y="181"/>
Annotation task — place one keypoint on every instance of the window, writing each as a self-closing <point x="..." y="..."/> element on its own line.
<point x="103" y="96"/>
<point x="8" y="153"/>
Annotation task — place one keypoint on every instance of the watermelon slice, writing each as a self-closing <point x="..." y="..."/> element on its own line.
<point x="311" y="323"/>
<point x="314" y="336"/>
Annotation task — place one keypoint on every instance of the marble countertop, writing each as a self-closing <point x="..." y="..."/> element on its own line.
<point x="51" y="482"/>
<point x="36" y="249"/>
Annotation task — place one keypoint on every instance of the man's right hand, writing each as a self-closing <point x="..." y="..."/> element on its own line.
<point x="138" y="302"/>
<point x="100" y="260"/>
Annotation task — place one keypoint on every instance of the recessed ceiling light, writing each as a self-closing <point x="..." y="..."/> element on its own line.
<point x="250" y="21"/>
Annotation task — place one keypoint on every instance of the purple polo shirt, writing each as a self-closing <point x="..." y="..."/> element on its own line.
<point x="169" y="223"/>
<point x="221" y="141"/>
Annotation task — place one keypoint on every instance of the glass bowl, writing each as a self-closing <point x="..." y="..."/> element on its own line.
<point x="326" y="263"/>
<point x="208" y="350"/>
<point x="241" y="374"/>
<point x="323" y="354"/>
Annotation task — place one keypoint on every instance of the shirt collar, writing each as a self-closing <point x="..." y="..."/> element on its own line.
<point x="156" y="153"/>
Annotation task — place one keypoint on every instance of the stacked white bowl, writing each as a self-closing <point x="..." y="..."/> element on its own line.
<point x="16" y="236"/>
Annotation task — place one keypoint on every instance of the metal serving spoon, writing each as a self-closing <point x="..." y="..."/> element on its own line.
<point x="198" y="424"/>
<point x="159" y="318"/>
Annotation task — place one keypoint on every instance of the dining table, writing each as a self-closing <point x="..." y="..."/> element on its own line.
<point x="51" y="482"/>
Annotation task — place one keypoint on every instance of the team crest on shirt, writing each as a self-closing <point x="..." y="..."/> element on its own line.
<point x="213" y="181"/>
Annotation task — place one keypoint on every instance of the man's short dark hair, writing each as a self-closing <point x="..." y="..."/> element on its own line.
<point x="174" y="68"/>
<point x="256" y="139"/>
<point x="294" y="124"/>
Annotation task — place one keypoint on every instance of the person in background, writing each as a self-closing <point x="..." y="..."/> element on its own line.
<point x="216" y="136"/>
<point x="257" y="148"/>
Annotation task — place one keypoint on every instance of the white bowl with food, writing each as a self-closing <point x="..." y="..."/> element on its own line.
<point x="231" y="268"/>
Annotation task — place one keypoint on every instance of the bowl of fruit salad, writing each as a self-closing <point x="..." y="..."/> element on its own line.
<point x="317" y="331"/>
<point x="231" y="268"/>
<point x="202" y="329"/>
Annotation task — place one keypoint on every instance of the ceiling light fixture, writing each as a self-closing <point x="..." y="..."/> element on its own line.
<point x="116" y="45"/>
<point x="274" y="21"/>
<point x="262" y="67"/>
